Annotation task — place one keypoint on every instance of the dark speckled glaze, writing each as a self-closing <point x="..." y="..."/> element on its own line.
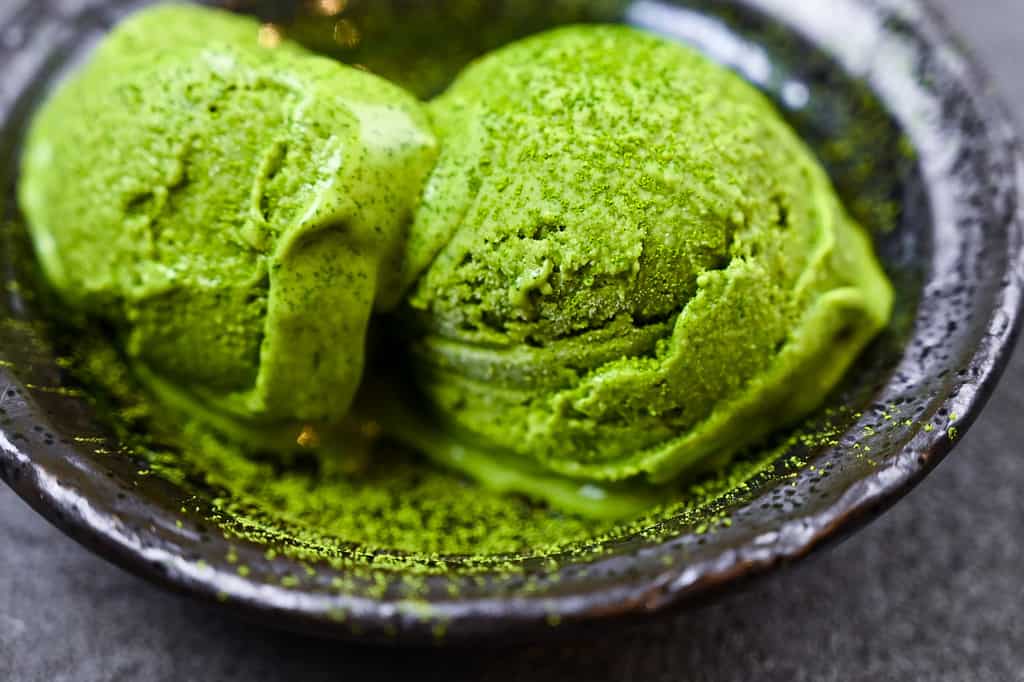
<point x="901" y="118"/>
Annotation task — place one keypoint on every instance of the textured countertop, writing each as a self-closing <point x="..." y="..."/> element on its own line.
<point x="934" y="590"/>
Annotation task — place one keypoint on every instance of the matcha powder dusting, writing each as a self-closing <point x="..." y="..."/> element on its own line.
<point x="625" y="264"/>
<point x="386" y="506"/>
<point x="235" y="211"/>
<point x="605" y="265"/>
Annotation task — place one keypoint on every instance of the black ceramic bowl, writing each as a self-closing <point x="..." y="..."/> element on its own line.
<point x="921" y="154"/>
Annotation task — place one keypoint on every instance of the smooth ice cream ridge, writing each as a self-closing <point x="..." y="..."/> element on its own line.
<point x="610" y="259"/>
<point x="625" y="264"/>
<point x="236" y="212"/>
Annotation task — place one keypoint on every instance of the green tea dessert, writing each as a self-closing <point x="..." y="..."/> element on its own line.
<point x="625" y="264"/>
<point x="235" y="212"/>
<point x="607" y="261"/>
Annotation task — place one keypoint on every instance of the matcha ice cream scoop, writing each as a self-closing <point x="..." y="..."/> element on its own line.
<point x="234" y="211"/>
<point x="625" y="263"/>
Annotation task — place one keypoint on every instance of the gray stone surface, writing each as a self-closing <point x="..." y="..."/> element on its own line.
<point x="931" y="591"/>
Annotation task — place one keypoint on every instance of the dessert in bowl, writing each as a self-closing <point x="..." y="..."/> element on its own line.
<point x="360" y="527"/>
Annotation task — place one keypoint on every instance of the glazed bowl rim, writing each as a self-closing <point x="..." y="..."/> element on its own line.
<point x="466" y="618"/>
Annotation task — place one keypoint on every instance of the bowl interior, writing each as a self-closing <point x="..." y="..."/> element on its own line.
<point x="910" y="150"/>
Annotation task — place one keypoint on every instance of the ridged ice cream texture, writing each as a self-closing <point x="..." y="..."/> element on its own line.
<point x="625" y="263"/>
<point x="237" y="212"/>
<point x="611" y="258"/>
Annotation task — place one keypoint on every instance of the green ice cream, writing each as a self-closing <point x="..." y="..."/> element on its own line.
<point x="625" y="263"/>
<point x="618" y="265"/>
<point x="235" y="211"/>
